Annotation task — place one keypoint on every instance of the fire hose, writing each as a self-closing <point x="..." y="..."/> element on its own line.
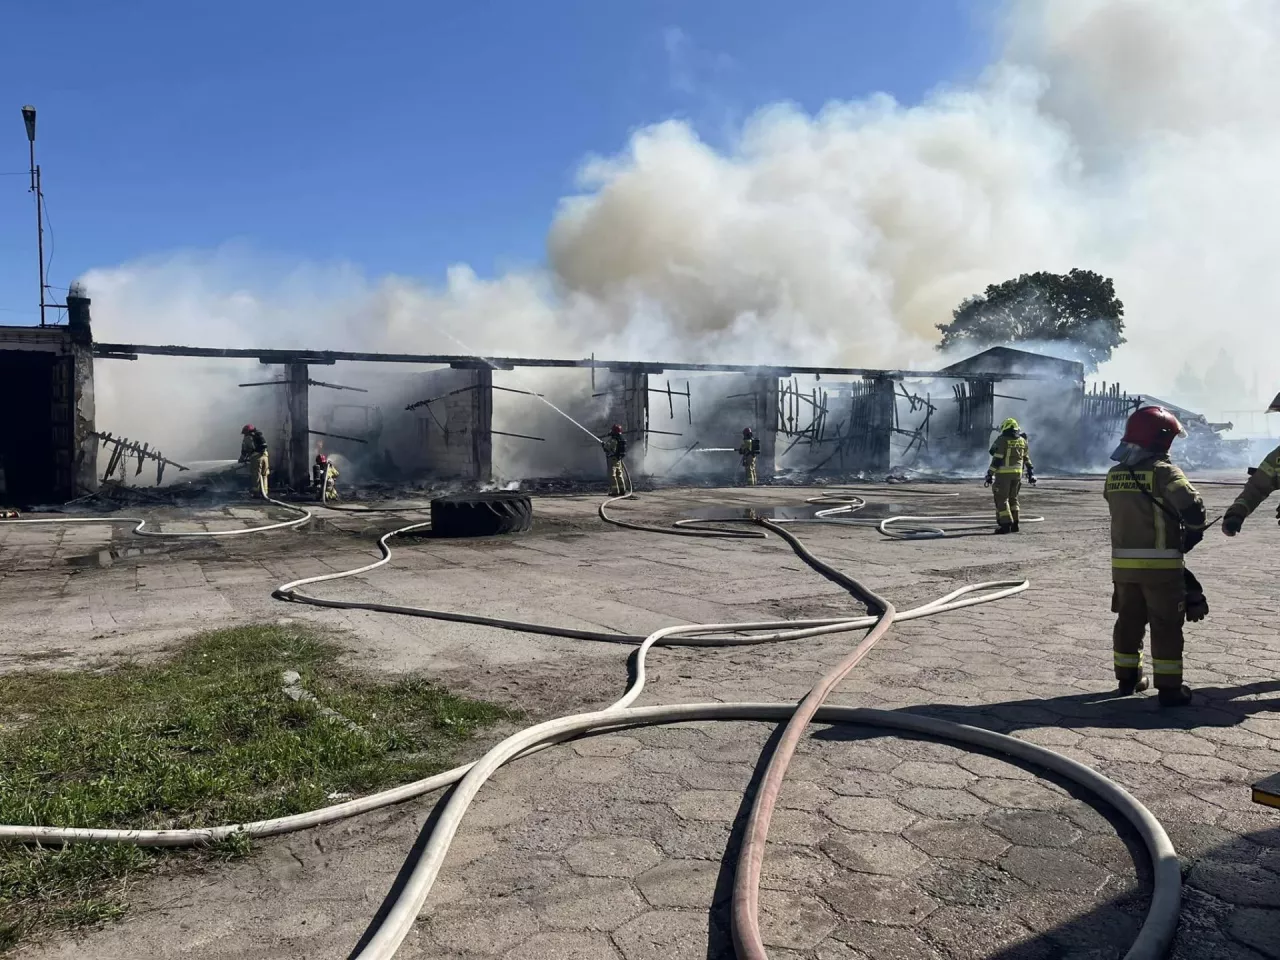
<point x="140" y="523"/>
<point x="405" y="904"/>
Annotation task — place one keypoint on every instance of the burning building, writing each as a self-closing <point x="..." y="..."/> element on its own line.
<point x="408" y="418"/>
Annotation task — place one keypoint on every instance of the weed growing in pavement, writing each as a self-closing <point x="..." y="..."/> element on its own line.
<point x="205" y="738"/>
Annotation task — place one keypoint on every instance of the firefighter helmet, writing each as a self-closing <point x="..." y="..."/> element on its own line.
<point x="247" y="428"/>
<point x="746" y="431"/>
<point x="616" y="429"/>
<point x="1152" y="428"/>
<point x="321" y="459"/>
<point x="1009" y="426"/>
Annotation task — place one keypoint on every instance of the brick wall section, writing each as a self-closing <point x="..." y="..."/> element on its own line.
<point x="84" y="448"/>
<point x="85" y="474"/>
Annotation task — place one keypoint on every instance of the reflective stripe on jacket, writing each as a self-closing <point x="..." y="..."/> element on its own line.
<point x="1146" y="543"/>
<point x="1010" y="454"/>
<point x="1264" y="482"/>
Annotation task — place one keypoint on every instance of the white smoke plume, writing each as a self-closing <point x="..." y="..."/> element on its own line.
<point x="1137" y="138"/>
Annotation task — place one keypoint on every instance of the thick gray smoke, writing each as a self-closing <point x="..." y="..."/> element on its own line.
<point x="1138" y="138"/>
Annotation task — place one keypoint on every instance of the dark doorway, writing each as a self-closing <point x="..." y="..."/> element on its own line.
<point x="26" y="442"/>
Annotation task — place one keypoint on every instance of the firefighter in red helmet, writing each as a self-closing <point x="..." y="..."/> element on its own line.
<point x="324" y="476"/>
<point x="1156" y="518"/>
<point x="749" y="450"/>
<point x="615" y="448"/>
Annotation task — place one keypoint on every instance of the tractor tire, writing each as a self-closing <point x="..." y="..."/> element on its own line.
<point x="481" y="514"/>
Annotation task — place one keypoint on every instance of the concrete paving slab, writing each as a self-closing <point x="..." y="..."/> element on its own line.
<point x="622" y="846"/>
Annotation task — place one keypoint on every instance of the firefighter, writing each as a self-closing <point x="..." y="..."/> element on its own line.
<point x="324" y="476"/>
<point x="1156" y="518"/>
<point x="615" y="448"/>
<point x="1010" y="456"/>
<point x="253" y="451"/>
<point x="1263" y="481"/>
<point x="749" y="449"/>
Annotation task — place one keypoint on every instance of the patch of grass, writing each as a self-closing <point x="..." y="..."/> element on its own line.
<point x="205" y="738"/>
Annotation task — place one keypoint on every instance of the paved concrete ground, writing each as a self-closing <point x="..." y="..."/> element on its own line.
<point x="620" y="847"/>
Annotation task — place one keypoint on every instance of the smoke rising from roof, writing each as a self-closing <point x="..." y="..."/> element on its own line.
<point x="1138" y="138"/>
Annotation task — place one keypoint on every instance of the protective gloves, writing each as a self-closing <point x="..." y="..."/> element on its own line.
<point x="1197" y="606"/>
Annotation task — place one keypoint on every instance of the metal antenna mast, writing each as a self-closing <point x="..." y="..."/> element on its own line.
<point x="29" y="119"/>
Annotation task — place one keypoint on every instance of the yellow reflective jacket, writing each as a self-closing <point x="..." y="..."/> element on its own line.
<point x="252" y="444"/>
<point x="1147" y="543"/>
<point x="1010" y="454"/>
<point x="1264" y="482"/>
<point x="615" y="448"/>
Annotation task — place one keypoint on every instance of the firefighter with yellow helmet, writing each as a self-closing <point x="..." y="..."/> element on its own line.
<point x="1263" y="481"/>
<point x="1156" y="518"/>
<point x="1010" y="457"/>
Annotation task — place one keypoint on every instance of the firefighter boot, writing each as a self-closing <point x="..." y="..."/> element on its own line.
<point x="1016" y="528"/>
<point x="1127" y="688"/>
<point x="1175" y="696"/>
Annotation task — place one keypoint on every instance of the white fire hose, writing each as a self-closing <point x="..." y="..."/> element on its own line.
<point x="405" y="904"/>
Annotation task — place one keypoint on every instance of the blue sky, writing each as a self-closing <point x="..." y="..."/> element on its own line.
<point x="395" y="135"/>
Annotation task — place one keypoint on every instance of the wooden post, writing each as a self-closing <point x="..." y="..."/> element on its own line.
<point x="295" y="458"/>
<point x="482" y="426"/>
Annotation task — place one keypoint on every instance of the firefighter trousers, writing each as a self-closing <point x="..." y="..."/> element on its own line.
<point x="1162" y="604"/>
<point x="617" y="482"/>
<point x="1005" y="490"/>
<point x="749" y="469"/>
<point x="259" y="468"/>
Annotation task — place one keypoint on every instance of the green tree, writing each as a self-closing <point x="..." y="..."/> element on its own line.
<point x="1079" y="307"/>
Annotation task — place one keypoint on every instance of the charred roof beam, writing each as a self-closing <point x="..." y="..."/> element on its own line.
<point x="129" y="351"/>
